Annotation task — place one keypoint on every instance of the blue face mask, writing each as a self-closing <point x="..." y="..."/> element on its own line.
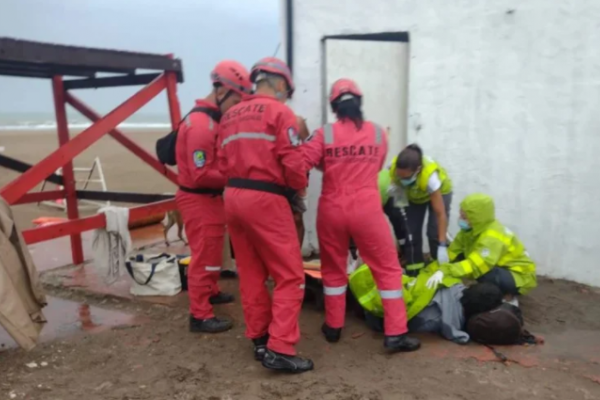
<point x="410" y="181"/>
<point x="464" y="225"/>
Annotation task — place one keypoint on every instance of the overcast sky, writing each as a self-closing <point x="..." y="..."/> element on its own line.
<point x="200" y="32"/>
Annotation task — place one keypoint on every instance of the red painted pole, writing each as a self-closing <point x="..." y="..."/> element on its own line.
<point x="68" y="174"/>
<point x="174" y="109"/>
<point x="124" y="140"/>
<point x="36" y="197"/>
<point x="20" y="186"/>
<point x="36" y="235"/>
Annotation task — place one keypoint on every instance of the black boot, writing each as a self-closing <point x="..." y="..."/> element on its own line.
<point x="211" y="325"/>
<point x="285" y="363"/>
<point x="402" y="343"/>
<point x="260" y="347"/>
<point x="221" y="298"/>
<point x="332" y="335"/>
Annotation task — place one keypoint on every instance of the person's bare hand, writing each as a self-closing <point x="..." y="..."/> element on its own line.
<point x="304" y="133"/>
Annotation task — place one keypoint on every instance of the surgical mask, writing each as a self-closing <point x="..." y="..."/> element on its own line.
<point x="409" y="181"/>
<point x="464" y="225"/>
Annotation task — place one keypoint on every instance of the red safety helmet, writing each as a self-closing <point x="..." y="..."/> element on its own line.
<point x="275" y="66"/>
<point x="343" y="86"/>
<point x="232" y="75"/>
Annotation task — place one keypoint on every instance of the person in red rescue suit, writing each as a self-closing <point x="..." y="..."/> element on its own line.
<point x="298" y="217"/>
<point x="260" y="155"/>
<point x="351" y="152"/>
<point x="199" y="198"/>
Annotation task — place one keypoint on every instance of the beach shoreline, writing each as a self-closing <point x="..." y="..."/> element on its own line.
<point x="123" y="170"/>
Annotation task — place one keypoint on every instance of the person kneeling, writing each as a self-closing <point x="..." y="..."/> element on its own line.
<point x="487" y="251"/>
<point x="450" y="309"/>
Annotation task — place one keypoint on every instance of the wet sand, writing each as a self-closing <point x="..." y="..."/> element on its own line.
<point x="123" y="170"/>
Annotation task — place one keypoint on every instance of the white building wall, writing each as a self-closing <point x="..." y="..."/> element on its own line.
<point x="507" y="96"/>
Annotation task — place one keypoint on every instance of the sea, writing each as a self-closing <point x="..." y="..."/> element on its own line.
<point x="46" y="122"/>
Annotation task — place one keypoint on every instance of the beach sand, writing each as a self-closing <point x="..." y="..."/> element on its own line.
<point x="123" y="170"/>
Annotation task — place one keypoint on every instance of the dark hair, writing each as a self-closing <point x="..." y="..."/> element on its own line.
<point x="349" y="109"/>
<point x="410" y="158"/>
<point x="479" y="298"/>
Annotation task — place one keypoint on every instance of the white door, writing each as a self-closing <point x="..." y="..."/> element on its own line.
<point x="381" y="71"/>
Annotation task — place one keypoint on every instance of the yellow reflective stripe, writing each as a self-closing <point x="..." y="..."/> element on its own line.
<point x="477" y="259"/>
<point x="414" y="267"/>
<point x="466" y="267"/>
<point x="480" y="263"/>
<point x="365" y="299"/>
<point x="452" y="255"/>
<point x="506" y="240"/>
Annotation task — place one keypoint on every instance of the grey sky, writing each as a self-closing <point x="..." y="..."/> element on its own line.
<point x="200" y="32"/>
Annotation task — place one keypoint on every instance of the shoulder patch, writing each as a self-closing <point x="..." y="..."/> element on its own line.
<point x="199" y="158"/>
<point x="293" y="136"/>
<point x="485" y="253"/>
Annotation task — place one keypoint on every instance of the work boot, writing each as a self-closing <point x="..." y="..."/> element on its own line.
<point x="210" y="325"/>
<point x="221" y="298"/>
<point x="285" y="363"/>
<point x="332" y="335"/>
<point x="260" y="347"/>
<point x="402" y="343"/>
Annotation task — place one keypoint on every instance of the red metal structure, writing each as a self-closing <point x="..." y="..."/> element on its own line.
<point x="54" y="62"/>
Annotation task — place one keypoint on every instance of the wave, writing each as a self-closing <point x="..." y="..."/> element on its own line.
<point x="51" y="125"/>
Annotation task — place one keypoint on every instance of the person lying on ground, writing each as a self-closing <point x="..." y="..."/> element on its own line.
<point x="451" y="309"/>
<point x="487" y="251"/>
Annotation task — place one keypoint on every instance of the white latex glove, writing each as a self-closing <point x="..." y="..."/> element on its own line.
<point x="442" y="255"/>
<point x="435" y="280"/>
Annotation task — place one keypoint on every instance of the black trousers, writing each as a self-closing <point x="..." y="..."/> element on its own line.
<point x="502" y="278"/>
<point x="416" y="219"/>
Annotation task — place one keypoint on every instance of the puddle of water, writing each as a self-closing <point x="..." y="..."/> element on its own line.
<point x="66" y="318"/>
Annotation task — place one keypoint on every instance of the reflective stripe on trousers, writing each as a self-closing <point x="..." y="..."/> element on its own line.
<point x="390" y="294"/>
<point x="248" y="135"/>
<point x="334" y="290"/>
<point x="328" y="133"/>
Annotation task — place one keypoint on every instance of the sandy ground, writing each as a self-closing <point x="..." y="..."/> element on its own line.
<point x="160" y="359"/>
<point x="123" y="170"/>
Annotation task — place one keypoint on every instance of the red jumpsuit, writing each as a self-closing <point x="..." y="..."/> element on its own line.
<point x="259" y="141"/>
<point x="203" y="214"/>
<point x="350" y="206"/>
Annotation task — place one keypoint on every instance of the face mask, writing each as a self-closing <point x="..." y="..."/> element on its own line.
<point x="464" y="225"/>
<point x="409" y="181"/>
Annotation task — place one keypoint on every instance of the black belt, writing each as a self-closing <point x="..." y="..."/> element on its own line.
<point x="213" y="192"/>
<point x="262" y="186"/>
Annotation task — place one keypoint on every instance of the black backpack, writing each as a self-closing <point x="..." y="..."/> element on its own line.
<point x="165" y="146"/>
<point x="500" y="326"/>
